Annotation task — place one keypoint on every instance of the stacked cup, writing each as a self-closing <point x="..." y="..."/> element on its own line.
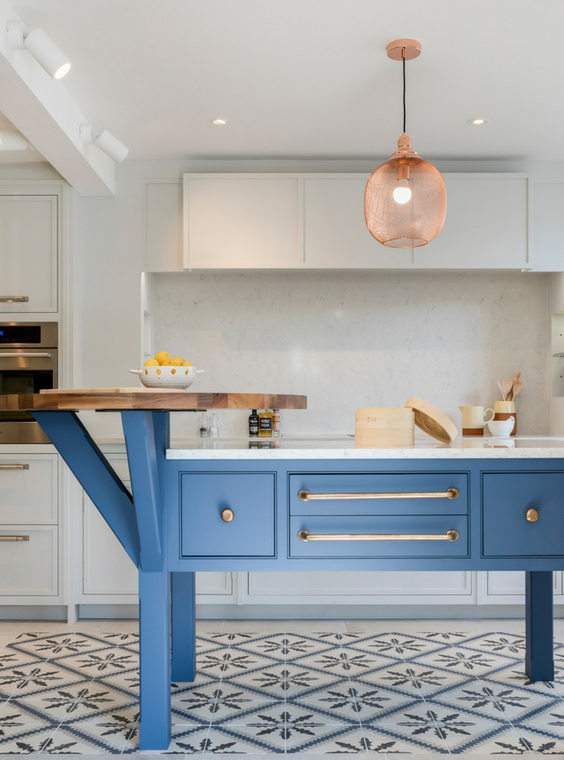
<point x="384" y="428"/>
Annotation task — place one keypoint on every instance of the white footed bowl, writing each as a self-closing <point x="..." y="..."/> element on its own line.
<point x="167" y="377"/>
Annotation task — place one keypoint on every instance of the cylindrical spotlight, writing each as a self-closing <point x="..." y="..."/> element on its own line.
<point x="107" y="142"/>
<point x="41" y="47"/>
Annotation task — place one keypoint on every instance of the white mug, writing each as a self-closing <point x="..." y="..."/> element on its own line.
<point x="500" y="428"/>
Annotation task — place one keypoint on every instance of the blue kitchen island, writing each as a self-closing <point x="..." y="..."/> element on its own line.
<point x="309" y="505"/>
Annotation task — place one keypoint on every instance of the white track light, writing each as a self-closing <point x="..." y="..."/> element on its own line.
<point x="13" y="141"/>
<point x="113" y="147"/>
<point x="41" y="47"/>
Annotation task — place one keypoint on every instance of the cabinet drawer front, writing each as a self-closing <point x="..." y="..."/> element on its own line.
<point x="28" y="568"/>
<point x="249" y="496"/>
<point x="388" y="525"/>
<point x="415" y="485"/>
<point x="506" y="499"/>
<point x="28" y="495"/>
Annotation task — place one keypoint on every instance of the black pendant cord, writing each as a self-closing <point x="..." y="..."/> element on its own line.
<point x="403" y="61"/>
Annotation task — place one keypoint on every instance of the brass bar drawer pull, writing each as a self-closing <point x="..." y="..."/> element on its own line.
<point x="450" y="493"/>
<point x="14" y="299"/>
<point x="14" y="538"/>
<point x="14" y="466"/>
<point x="450" y="535"/>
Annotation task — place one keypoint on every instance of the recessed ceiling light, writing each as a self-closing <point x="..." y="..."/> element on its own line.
<point x="477" y="122"/>
<point x="220" y="122"/>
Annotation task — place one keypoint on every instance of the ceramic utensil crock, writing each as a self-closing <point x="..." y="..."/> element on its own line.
<point x="504" y="410"/>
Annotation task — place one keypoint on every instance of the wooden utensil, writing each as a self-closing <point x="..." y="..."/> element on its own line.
<point x="506" y="386"/>
<point x="517" y="388"/>
<point x="515" y="380"/>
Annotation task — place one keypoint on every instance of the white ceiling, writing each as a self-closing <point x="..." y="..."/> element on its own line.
<point x="310" y="78"/>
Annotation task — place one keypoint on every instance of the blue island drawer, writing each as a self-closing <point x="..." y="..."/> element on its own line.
<point x="342" y="488"/>
<point x="389" y="525"/>
<point x="249" y="496"/>
<point x="507" y="497"/>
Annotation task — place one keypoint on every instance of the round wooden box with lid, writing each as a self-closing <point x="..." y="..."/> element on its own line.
<point x="384" y="428"/>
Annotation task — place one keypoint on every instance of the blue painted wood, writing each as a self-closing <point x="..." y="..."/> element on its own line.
<point x="95" y="475"/>
<point x="251" y="498"/>
<point x="183" y="626"/>
<point x="539" y="656"/>
<point x="362" y="482"/>
<point x="154" y="659"/>
<point x="141" y="442"/>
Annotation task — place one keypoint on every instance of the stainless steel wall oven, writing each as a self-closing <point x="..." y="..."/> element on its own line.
<point x="28" y="364"/>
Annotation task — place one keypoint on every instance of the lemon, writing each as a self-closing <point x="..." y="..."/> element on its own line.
<point x="177" y="361"/>
<point x="185" y="364"/>
<point x="167" y="363"/>
<point x="151" y="363"/>
<point x="162" y="357"/>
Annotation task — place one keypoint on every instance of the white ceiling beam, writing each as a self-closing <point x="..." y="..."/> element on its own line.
<point x="44" y="112"/>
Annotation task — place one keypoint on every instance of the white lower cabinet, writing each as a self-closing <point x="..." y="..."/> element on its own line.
<point x="29" y="513"/>
<point x="501" y="587"/>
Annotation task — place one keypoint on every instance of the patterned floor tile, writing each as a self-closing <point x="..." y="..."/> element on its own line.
<point x="47" y="646"/>
<point x="285" y="680"/>
<point x="464" y="660"/>
<point x="396" y="645"/>
<point x="32" y="679"/>
<point x="231" y="661"/>
<point x="213" y="702"/>
<point x="340" y="661"/>
<point x="284" y="646"/>
<point x="82" y="700"/>
<point x="414" y="679"/>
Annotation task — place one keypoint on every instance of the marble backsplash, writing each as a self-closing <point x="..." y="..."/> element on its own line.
<point x="358" y="339"/>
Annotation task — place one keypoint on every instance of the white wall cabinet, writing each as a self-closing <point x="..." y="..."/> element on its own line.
<point x="29" y="245"/>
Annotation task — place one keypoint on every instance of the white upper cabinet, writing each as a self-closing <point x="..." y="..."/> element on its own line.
<point x="234" y="221"/>
<point x="336" y="236"/>
<point x="28" y="251"/>
<point x="486" y="226"/>
<point x="316" y="221"/>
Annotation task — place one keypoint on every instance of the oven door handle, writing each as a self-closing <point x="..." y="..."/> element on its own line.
<point x="23" y="355"/>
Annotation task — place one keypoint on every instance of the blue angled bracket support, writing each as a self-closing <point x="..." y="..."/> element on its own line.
<point x="95" y="475"/>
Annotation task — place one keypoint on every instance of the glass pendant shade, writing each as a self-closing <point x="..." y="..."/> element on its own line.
<point x="405" y="200"/>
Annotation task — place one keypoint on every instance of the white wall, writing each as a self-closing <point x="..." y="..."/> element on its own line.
<point x="358" y="339"/>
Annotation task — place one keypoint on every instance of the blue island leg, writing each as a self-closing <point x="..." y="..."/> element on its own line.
<point x="539" y="655"/>
<point x="183" y="626"/>
<point x="154" y="659"/>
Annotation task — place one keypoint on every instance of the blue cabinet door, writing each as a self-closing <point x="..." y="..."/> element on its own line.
<point x="506" y="499"/>
<point x="249" y="497"/>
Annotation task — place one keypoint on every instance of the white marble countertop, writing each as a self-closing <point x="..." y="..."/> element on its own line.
<point x="331" y="447"/>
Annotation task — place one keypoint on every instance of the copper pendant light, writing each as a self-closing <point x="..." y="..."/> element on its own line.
<point x="405" y="198"/>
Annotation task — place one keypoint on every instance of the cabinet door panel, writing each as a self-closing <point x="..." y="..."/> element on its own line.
<point x="486" y="227"/>
<point x="336" y="236"/>
<point x="234" y="222"/>
<point x="512" y="584"/>
<point x="29" y="568"/>
<point x="28" y="496"/>
<point x="28" y="252"/>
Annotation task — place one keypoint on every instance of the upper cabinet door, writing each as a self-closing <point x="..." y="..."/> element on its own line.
<point x="242" y="221"/>
<point x="486" y="227"/>
<point x="28" y="253"/>
<point x="336" y="236"/>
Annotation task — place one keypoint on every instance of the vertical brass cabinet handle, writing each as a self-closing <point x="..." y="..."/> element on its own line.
<point x="227" y="515"/>
<point x="14" y="538"/>
<point x="450" y="493"/>
<point x="14" y="466"/>
<point x="531" y="515"/>
<point x="450" y="535"/>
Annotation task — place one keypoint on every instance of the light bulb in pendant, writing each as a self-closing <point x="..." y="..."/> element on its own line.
<point x="402" y="192"/>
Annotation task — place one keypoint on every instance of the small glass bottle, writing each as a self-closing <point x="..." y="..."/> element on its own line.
<point x="214" y="426"/>
<point x="253" y="424"/>
<point x="265" y="424"/>
<point x="276" y="423"/>
<point x="203" y="426"/>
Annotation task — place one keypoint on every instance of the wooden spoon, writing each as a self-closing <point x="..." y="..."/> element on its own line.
<point x="515" y="380"/>
<point x="517" y="388"/>
<point x="506" y="386"/>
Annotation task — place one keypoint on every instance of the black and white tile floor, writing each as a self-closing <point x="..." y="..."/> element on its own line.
<point x="266" y="688"/>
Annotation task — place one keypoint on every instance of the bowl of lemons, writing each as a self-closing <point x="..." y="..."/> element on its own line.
<point x="164" y="372"/>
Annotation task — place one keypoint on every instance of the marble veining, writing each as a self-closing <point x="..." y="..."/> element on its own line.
<point x="358" y="339"/>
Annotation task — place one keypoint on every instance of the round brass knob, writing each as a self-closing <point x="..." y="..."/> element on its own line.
<point x="227" y="515"/>
<point x="532" y="515"/>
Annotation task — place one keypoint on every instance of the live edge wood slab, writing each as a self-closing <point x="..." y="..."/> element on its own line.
<point x="148" y="400"/>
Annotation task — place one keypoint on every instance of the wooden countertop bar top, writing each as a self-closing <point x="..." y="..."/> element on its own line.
<point x="113" y="399"/>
